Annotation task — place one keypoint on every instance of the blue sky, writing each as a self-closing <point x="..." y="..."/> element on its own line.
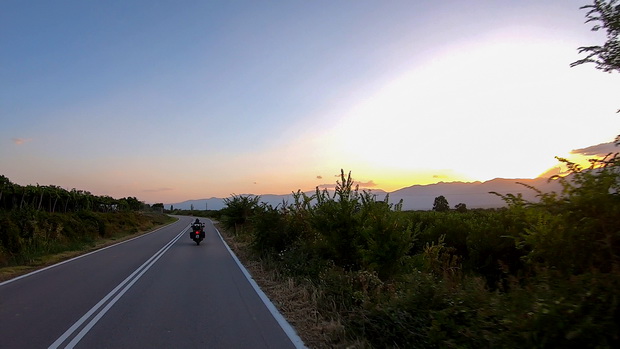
<point x="176" y="100"/>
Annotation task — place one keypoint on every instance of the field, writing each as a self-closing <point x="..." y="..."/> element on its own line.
<point x="533" y="274"/>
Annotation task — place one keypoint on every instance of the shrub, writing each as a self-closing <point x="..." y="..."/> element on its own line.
<point x="238" y="212"/>
<point x="577" y="230"/>
<point x="386" y="238"/>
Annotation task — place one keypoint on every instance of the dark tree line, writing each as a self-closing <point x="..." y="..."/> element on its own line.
<point x="51" y="198"/>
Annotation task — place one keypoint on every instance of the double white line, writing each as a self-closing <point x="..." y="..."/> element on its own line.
<point x="95" y="313"/>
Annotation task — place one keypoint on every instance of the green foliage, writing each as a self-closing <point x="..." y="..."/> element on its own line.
<point x="533" y="275"/>
<point x="10" y="232"/>
<point x="131" y="203"/>
<point x="433" y="225"/>
<point x="428" y="314"/>
<point x="554" y="311"/>
<point x="491" y="250"/>
<point x="271" y="231"/>
<point x="577" y="230"/>
<point x="549" y="312"/>
<point x="479" y="239"/>
<point x="41" y="220"/>
<point x="351" y="230"/>
<point x="56" y="199"/>
<point x="386" y="237"/>
<point x="92" y="222"/>
<point x="605" y="15"/>
<point x="461" y="207"/>
<point x="337" y="221"/>
<point x="539" y="275"/>
<point x="26" y="235"/>
<point x="236" y="215"/>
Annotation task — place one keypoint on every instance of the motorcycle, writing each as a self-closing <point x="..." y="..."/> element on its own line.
<point x="197" y="233"/>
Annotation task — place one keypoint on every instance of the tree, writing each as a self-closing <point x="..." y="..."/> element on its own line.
<point x="606" y="57"/>
<point x="238" y="211"/>
<point x="461" y="207"/>
<point x="131" y="203"/>
<point x="441" y="204"/>
<point x="605" y="15"/>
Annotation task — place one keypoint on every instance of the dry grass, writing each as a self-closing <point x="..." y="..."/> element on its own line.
<point x="296" y="301"/>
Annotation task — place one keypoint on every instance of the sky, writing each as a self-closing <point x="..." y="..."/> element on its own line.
<point x="175" y="100"/>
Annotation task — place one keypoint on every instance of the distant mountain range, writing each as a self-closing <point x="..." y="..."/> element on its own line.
<point x="421" y="197"/>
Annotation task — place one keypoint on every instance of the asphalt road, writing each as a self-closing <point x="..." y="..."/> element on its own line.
<point x="157" y="291"/>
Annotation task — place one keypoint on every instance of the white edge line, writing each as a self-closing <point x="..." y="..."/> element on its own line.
<point x="288" y="329"/>
<point x="78" y="257"/>
<point x="88" y="314"/>
<point x="105" y="309"/>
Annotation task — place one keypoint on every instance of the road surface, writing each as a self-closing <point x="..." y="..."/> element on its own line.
<point x="157" y="291"/>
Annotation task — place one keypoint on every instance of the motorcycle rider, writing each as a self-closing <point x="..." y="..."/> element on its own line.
<point x="197" y="233"/>
<point x="197" y="225"/>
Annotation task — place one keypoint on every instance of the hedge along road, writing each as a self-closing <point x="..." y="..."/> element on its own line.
<point x="156" y="291"/>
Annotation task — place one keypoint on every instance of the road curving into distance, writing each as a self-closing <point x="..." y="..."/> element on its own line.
<point x="159" y="290"/>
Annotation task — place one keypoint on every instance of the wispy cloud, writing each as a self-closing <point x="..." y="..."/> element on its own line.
<point x="369" y="184"/>
<point x="597" y="150"/>
<point x="157" y="190"/>
<point x="20" y="141"/>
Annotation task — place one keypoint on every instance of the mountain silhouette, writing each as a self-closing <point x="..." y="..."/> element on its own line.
<point x="421" y="197"/>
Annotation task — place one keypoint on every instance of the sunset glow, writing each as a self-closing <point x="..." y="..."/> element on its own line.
<point x="184" y="102"/>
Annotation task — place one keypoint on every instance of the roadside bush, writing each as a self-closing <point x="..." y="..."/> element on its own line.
<point x="237" y="214"/>
<point x="386" y="238"/>
<point x="300" y="260"/>
<point x="26" y="235"/>
<point x="337" y="221"/>
<point x="547" y="312"/>
<point x="491" y="249"/>
<point x="357" y="232"/>
<point x="536" y="275"/>
<point x="10" y="238"/>
<point x="403" y="321"/>
<point x="577" y="230"/>
<point x="93" y="222"/>
<point x="551" y="311"/>
<point x="271" y="232"/>
<point x="432" y="225"/>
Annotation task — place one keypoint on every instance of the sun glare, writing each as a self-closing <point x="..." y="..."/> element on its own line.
<point x="561" y="169"/>
<point x="483" y="110"/>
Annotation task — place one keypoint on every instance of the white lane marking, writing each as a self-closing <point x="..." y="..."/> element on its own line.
<point x="286" y="327"/>
<point x="80" y="256"/>
<point x="127" y="283"/>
